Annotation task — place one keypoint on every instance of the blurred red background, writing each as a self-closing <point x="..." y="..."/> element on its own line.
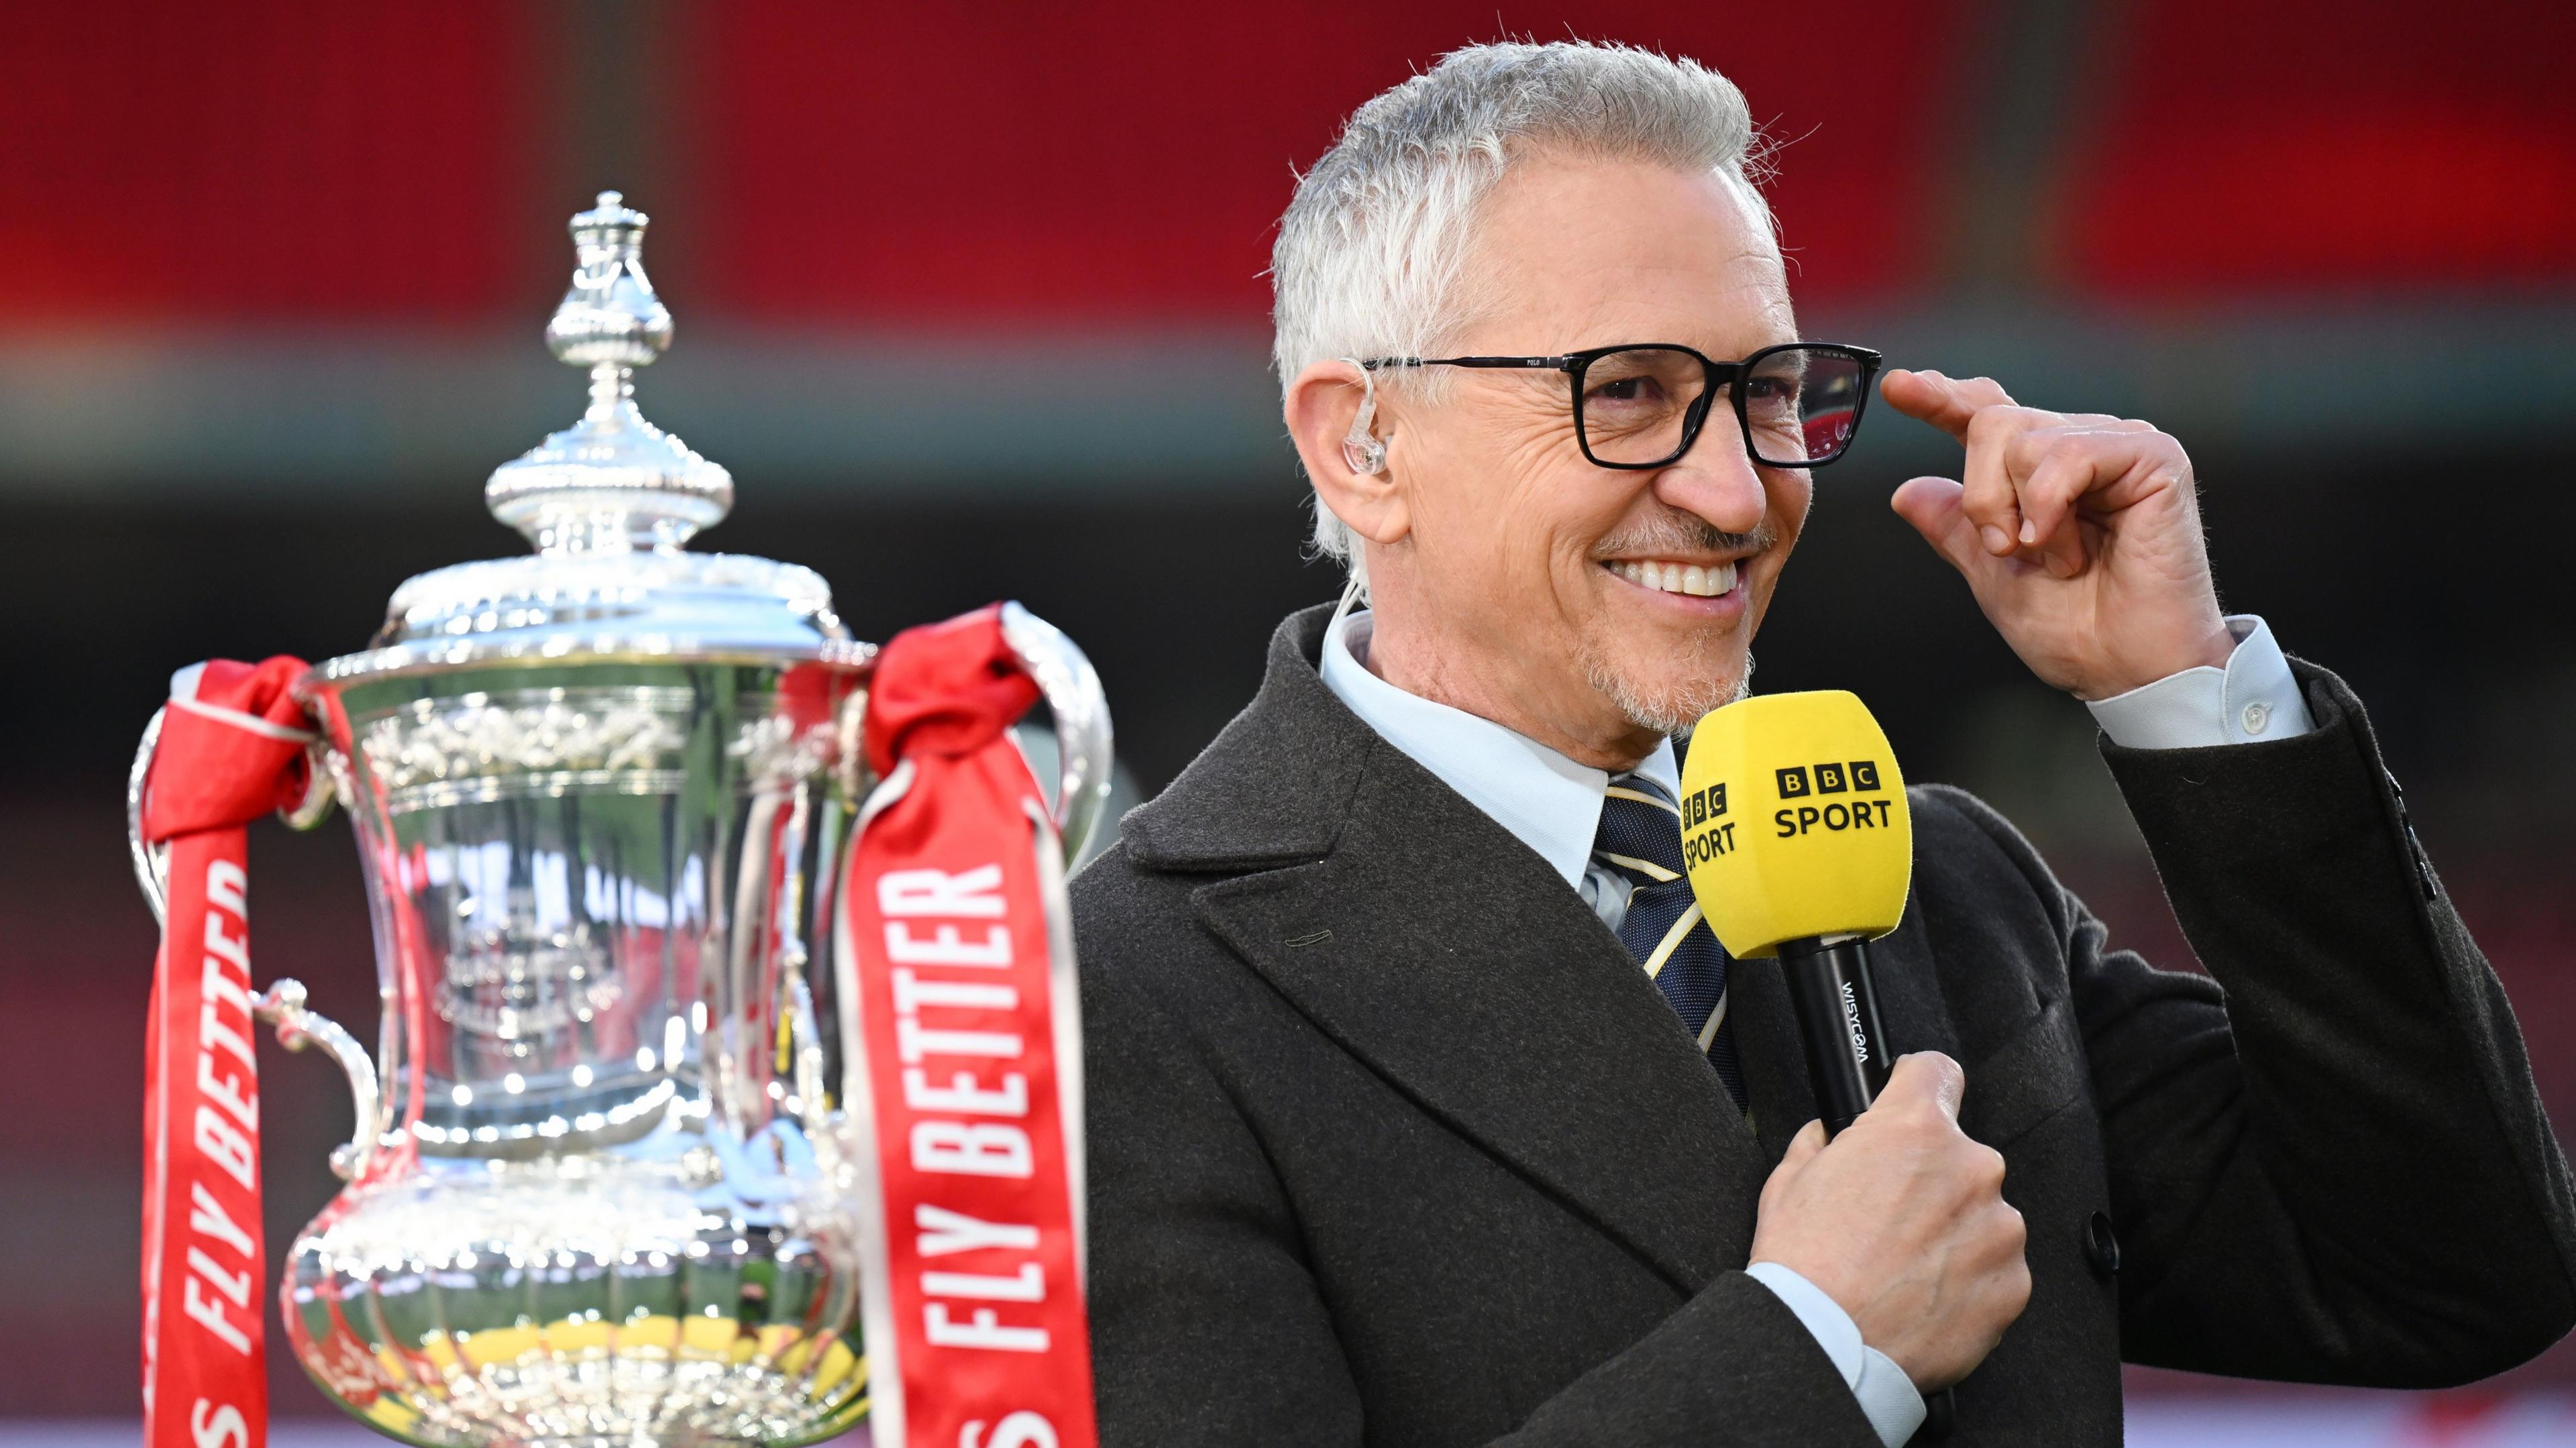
<point x="989" y="167"/>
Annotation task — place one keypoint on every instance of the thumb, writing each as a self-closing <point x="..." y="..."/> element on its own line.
<point x="1932" y="506"/>
<point x="1932" y="1074"/>
<point x="1802" y="1147"/>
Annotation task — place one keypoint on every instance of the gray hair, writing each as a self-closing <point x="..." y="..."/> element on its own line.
<point x="1369" y="252"/>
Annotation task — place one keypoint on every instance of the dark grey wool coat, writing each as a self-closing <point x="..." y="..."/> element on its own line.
<point x="1392" y="1143"/>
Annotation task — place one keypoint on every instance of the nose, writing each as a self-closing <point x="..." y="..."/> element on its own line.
<point x="1716" y="480"/>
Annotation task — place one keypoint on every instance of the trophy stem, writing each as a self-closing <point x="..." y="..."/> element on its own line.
<point x="612" y="389"/>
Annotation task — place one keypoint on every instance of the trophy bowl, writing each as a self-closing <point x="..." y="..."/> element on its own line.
<point x="598" y="1193"/>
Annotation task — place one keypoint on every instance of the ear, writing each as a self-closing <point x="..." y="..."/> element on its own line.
<point x="1322" y="408"/>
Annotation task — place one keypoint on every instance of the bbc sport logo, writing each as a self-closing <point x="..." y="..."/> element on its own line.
<point x="1701" y="806"/>
<point x="1828" y="777"/>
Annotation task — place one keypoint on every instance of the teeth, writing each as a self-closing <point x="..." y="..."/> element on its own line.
<point x="1691" y="579"/>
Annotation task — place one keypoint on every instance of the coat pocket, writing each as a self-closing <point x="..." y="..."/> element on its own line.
<point x="2037" y="1072"/>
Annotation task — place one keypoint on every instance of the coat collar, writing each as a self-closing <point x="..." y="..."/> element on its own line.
<point x="1549" y="802"/>
<point x="1427" y="941"/>
<point x="1275" y="786"/>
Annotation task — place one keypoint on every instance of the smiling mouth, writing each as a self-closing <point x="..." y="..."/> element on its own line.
<point x="1694" y="579"/>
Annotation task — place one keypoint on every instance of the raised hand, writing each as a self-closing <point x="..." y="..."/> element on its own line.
<point x="1901" y="1219"/>
<point x="2079" y="534"/>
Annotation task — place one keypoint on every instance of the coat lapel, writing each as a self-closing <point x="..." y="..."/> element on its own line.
<point x="1776" y="1089"/>
<point x="1423" y="938"/>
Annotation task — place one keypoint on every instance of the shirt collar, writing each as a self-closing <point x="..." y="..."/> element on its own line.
<point x="1548" y="802"/>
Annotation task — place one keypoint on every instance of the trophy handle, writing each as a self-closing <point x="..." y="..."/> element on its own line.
<point x="282" y="1004"/>
<point x="152" y="861"/>
<point x="1072" y="690"/>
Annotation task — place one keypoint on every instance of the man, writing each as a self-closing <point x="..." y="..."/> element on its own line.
<point x="1423" y="1108"/>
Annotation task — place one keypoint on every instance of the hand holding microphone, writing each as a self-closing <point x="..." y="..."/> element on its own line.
<point x="1902" y="1221"/>
<point x="1799" y="846"/>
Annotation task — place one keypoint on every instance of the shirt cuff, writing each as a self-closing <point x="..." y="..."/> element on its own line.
<point x="1887" y="1396"/>
<point x="2253" y="699"/>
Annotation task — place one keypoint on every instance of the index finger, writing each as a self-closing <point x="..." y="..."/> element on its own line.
<point x="1929" y="1072"/>
<point x="1945" y="402"/>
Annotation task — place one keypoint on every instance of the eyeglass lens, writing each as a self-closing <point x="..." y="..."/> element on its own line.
<point x="1638" y="406"/>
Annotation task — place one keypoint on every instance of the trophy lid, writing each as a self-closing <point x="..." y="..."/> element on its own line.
<point x="610" y="503"/>
<point x="612" y="482"/>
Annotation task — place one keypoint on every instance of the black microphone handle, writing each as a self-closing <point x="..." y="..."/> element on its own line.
<point x="1847" y="1063"/>
<point x="1837" y="1005"/>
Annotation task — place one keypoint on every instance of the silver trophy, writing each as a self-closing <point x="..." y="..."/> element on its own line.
<point x="598" y="1189"/>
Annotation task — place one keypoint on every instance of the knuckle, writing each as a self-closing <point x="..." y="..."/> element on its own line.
<point x="2071" y="447"/>
<point x="2008" y="1251"/>
<point x="1990" y="1163"/>
<point x="2028" y="452"/>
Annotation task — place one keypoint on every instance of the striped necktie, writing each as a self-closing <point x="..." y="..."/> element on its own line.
<point x="1641" y="841"/>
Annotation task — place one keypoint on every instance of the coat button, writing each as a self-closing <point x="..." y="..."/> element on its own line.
<point x="2101" y="1245"/>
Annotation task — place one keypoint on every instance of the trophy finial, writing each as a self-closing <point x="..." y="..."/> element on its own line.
<point x="612" y="482"/>
<point x="610" y="314"/>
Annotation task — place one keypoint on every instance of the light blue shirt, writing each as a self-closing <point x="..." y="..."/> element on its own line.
<point x="1553" y="805"/>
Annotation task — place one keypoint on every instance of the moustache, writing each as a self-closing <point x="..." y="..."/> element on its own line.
<point x="1682" y="533"/>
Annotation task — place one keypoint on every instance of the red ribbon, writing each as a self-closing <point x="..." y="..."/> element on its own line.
<point x="960" y="982"/>
<point x="231" y="749"/>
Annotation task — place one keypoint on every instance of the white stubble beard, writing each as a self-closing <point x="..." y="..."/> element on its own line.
<point x="1672" y="707"/>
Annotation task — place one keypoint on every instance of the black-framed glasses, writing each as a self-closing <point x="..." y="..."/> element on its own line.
<point x="1642" y="405"/>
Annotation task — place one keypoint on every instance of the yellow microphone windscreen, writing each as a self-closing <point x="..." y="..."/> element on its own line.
<point x="1794" y="822"/>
